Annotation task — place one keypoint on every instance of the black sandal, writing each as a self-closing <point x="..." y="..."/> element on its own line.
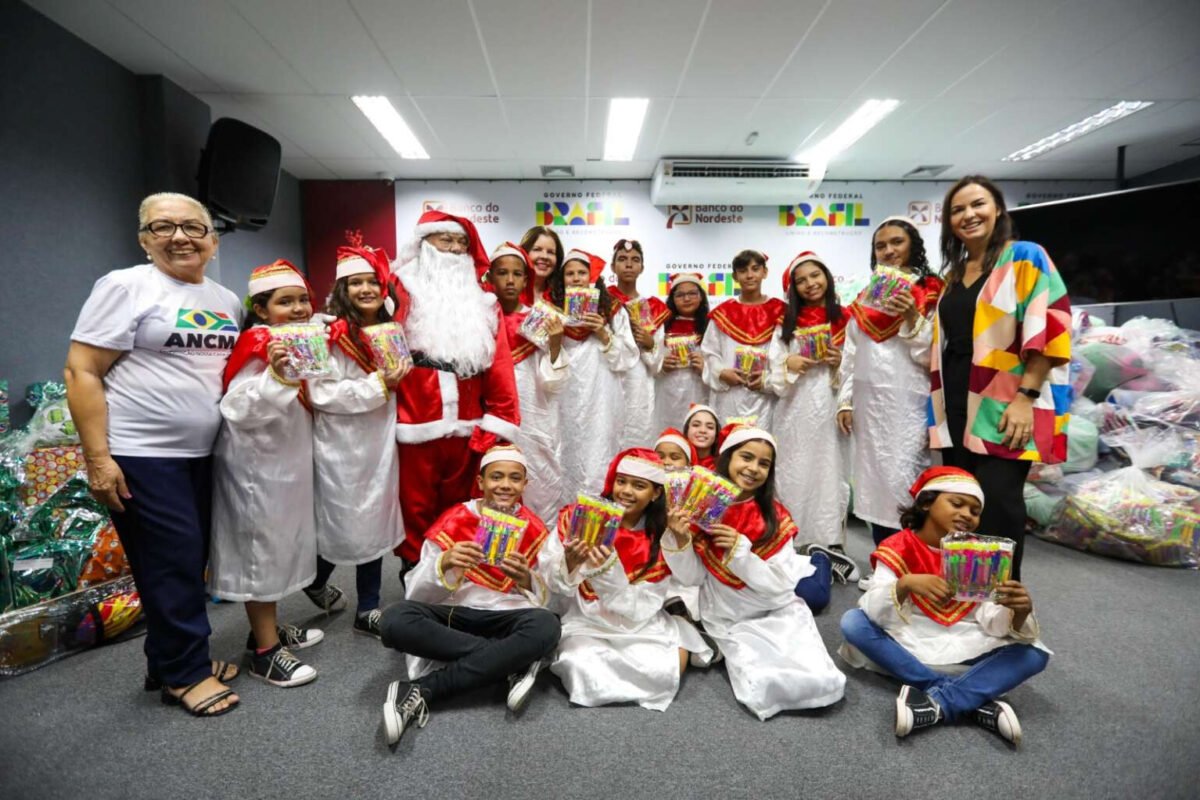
<point x="201" y="709"/>
<point x="224" y="671"/>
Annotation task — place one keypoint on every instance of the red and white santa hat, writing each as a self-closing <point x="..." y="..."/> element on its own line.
<point x="672" y="436"/>
<point x="696" y="408"/>
<point x="807" y="255"/>
<point x="595" y="263"/>
<point x="685" y="277"/>
<point x="363" y="260"/>
<point x="637" y="462"/>
<point x="432" y="222"/>
<point x="503" y="452"/>
<point x="276" y="275"/>
<point x="734" y="435"/>
<point x="510" y="249"/>
<point x="947" y="479"/>
<point x="894" y="219"/>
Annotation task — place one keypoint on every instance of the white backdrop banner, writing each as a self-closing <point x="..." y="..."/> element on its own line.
<point x="837" y="222"/>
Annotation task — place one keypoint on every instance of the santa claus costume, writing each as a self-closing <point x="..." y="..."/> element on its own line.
<point x="735" y="324"/>
<point x="885" y="381"/>
<point x="540" y="380"/>
<point x="773" y="651"/>
<point x="354" y="447"/>
<point x="677" y="388"/>
<point x="461" y="394"/>
<point x="811" y="477"/>
<point x="591" y="407"/>
<point x="639" y="381"/>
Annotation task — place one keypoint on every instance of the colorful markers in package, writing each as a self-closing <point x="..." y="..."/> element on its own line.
<point x="813" y="342"/>
<point x="684" y="348"/>
<point x="389" y="347"/>
<point x="498" y="534"/>
<point x="749" y="421"/>
<point x="595" y="520"/>
<point x="750" y="361"/>
<point x="581" y="300"/>
<point x="706" y="497"/>
<point x="307" y="350"/>
<point x="885" y="282"/>
<point x="536" y="325"/>
<point x="975" y="565"/>
<point x="677" y="483"/>
<point x="640" y="313"/>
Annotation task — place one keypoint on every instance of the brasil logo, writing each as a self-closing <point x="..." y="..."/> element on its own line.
<point x="596" y="212"/>
<point x="836" y="215"/>
<point x="196" y="319"/>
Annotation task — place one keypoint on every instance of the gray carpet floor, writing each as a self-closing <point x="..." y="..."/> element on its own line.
<point x="1113" y="716"/>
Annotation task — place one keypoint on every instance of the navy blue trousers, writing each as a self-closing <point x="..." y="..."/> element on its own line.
<point x="367" y="580"/>
<point x="165" y="532"/>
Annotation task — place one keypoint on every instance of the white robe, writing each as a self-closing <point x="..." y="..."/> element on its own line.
<point x="639" y="385"/>
<point x="264" y="540"/>
<point x="675" y="391"/>
<point x="621" y="647"/>
<point x="591" y="407"/>
<point x="773" y="651"/>
<point x="887" y="384"/>
<point x="939" y="647"/>
<point x="736" y="401"/>
<point x="809" y="471"/>
<point x="357" y="468"/>
<point x="539" y="383"/>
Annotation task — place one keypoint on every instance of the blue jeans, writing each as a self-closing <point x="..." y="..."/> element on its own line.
<point x="367" y="579"/>
<point x="814" y="590"/>
<point x="991" y="674"/>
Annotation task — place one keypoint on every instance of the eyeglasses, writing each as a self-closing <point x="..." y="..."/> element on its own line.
<point x="165" y="229"/>
<point x="692" y="295"/>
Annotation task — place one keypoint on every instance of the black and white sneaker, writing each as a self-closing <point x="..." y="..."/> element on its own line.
<point x="914" y="710"/>
<point x="279" y="667"/>
<point x="999" y="718"/>
<point x="291" y="637"/>
<point x="367" y="623"/>
<point x="520" y="685"/>
<point x="328" y="598"/>
<point x="841" y="565"/>
<point x="697" y="660"/>
<point x="404" y="704"/>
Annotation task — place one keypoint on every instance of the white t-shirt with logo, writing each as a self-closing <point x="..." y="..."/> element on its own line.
<point x="163" y="392"/>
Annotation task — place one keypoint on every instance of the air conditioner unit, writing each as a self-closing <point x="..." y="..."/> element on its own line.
<point x="680" y="181"/>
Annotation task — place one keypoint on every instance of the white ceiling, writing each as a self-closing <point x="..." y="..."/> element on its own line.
<point x="496" y="88"/>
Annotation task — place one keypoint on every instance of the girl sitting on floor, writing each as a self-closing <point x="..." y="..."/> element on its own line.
<point x="909" y="625"/>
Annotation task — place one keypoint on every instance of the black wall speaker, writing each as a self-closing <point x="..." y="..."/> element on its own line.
<point x="239" y="173"/>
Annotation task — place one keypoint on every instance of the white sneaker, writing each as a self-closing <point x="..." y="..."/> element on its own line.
<point x="404" y="704"/>
<point x="998" y="717"/>
<point x="519" y="686"/>
<point x="864" y="584"/>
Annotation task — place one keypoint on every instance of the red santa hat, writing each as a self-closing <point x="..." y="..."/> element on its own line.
<point x="734" y="435"/>
<point x="367" y="260"/>
<point x="276" y="275"/>
<point x="675" y="437"/>
<point x="947" y="479"/>
<point x="696" y="408"/>
<point x="432" y="222"/>
<point x="807" y="255"/>
<point x="637" y="462"/>
<point x="503" y="452"/>
<point x="510" y="249"/>
<point x="595" y="263"/>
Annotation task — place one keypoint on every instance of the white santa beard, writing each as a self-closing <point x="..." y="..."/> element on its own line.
<point x="451" y="318"/>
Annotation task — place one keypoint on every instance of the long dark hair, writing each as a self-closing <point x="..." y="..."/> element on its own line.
<point x="913" y="517"/>
<point x="655" y="524"/>
<point x="252" y="317"/>
<point x="339" y="305"/>
<point x="954" y="252"/>
<point x="558" y="291"/>
<point x="530" y="239"/>
<point x="917" y="257"/>
<point x="764" y="496"/>
<point x="832" y="310"/>
<point x="700" y="317"/>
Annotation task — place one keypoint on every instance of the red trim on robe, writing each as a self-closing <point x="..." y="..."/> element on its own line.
<point x="746" y="518"/>
<point x="746" y="324"/>
<point x="633" y="551"/>
<point x="357" y="350"/>
<point x="881" y="326"/>
<point x="459" y="523"/>
<point x="817" y="315"/>
<point x="252" y="344"/>
<point x="521" y="347"/>
<point x="905" y="554"/>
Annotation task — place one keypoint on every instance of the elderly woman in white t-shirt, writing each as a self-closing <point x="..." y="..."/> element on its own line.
<point x="144" y="382"/>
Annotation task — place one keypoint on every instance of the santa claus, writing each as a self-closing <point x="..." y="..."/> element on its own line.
<point x="461" y="395"/>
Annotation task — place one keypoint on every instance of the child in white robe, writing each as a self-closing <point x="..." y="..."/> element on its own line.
<point x="647" y="329"/>
<point x="264" y="541"/>
<point x="751" y="585"/>
<point x="681" y="382"/>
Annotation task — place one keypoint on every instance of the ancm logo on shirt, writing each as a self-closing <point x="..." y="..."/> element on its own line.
<point x="200" y="330"/>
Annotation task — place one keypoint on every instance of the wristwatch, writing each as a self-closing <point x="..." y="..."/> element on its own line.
<point x="1032" y="394"/>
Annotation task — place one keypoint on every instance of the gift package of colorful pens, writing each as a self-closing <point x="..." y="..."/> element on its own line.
<point x="975" y="565"/>
<point x="750" y="361"/>
<point x="885" y="282"/>
<point x="581" y="300"/>
<point x="706" y="497"/>
<point x="684" y="348"/>
<point x="498" y="534"/>
<point x="595" y="520"/>
<point x="640" y="313"/>
<point x="813" y="342"/>
<point x="389" y="347"/>
<point x="677" y="483"/>
<point x="536" y="325"/>
<point x="307" y="350"/>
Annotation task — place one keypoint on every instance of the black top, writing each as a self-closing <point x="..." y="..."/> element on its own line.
<point x="957" y="315"/>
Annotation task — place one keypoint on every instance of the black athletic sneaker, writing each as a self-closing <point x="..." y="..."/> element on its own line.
<point x="520" y="685"/>
<point x="279" y="667"/>
<point x="328" y="598"/>
<point x="841" y="565"/>
<point x="914" y="709"/>
<point x="291" y="637"/>
<point x="367" y="623"/>
<point x="999" y="718"/>
<point x="404" y="704"/>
